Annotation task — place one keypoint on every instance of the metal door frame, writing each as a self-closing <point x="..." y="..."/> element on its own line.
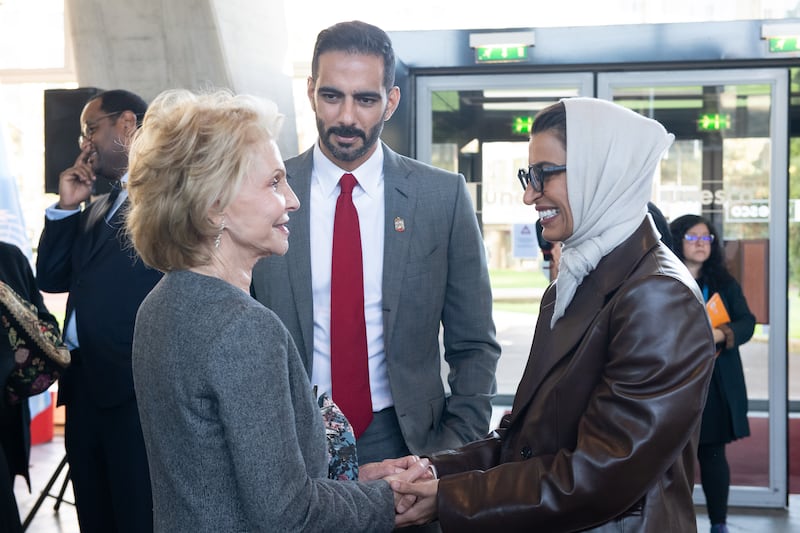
<point x="426" y="85"/>
<point x="776" y="493"/>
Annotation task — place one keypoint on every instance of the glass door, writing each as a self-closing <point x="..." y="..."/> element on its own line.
<point x="479" y="125"/>
<point x="729" y="164"/>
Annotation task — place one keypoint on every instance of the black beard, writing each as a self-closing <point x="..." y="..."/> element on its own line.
<point x="343" y="152"/>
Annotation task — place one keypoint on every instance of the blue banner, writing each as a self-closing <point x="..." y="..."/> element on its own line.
<point x="12" y="223"/>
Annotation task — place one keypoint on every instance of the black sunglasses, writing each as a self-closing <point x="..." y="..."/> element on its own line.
<point x="536" y="174"/>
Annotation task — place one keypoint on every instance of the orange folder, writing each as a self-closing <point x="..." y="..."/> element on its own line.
<point x="716" y="311"/>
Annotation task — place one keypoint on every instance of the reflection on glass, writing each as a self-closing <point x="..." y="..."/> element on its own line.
<point x="483" y="134"/>
<point x="719" y="167"/>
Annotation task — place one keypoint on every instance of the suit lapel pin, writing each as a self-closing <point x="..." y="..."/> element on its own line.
<point x="399" y="224"/>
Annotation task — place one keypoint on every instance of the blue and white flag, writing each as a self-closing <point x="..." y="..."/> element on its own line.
<point x="12" y="224"/>
<point x="39" y="404"/>
<point x="12" y="230"/>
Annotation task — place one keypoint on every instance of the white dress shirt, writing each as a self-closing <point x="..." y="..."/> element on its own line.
<point x="369" y="201"/>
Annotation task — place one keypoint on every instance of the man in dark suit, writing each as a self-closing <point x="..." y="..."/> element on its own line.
<point x="423" y="264"/>
<point x="86" y="252"/>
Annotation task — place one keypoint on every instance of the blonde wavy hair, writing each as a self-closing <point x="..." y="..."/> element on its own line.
<point x="189" y="157"/>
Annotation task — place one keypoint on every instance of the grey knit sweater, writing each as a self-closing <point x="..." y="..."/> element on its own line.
<point x="233" y="434"/>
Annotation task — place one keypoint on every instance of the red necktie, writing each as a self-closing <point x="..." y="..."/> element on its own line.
<point x="349" y="366"/>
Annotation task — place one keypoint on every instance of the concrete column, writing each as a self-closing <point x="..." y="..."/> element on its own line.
<point x="147" y="46"/>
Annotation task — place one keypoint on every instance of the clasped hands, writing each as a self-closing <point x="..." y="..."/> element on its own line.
<point x="414" y="487"/>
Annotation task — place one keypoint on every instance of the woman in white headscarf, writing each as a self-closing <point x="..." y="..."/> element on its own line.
<point x="603" y="431"/>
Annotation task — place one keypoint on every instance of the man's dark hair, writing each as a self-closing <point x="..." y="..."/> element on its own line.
<point x="356" y="37"/>
<point x="119" y="100"/>
<point x="661" y="223"/>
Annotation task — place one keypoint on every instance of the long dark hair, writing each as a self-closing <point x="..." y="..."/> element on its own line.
<point x="714" y="273"/>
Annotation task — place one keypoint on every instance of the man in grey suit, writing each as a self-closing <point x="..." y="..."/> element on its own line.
<point x="424" y="265"/>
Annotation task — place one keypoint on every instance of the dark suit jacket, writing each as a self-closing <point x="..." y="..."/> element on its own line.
<point x="106" y="283"/>
<point x="605" y="420"/>
<point x="434" y="273"/>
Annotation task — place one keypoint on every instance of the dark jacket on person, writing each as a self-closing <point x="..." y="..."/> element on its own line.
<point x="15" y="437"/>
<point x="603" y="431"/>
<point x="16" y="272"/>
<point x="95" y="262"/>
<point x="725" y="414"/>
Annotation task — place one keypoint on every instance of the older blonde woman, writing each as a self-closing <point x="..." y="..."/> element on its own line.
<point x="233" y="433"/>
<point x="603" y="431"/>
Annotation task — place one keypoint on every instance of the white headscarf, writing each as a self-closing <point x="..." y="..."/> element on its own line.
<point x="612" y="155"/>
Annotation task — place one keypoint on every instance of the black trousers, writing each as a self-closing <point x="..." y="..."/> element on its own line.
<point x="9" y="514"/>
<point x="715" y="476"/>
<point x="108" y="466"/>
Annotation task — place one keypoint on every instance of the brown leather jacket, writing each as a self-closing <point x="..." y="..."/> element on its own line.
<point x="603" y="431"/>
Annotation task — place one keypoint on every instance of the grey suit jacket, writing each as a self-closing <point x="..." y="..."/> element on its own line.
<point x="434" y="273"/>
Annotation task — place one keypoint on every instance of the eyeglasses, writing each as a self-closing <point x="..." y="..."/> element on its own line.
<point x="695" y="238"/>
<point x="91" y="127"/>
<point x="536" y="174"/>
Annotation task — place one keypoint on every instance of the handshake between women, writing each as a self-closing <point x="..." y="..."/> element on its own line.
<point x="413" y="484"/>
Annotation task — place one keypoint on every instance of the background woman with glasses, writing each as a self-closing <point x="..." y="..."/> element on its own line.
<point x="697" y="244"/>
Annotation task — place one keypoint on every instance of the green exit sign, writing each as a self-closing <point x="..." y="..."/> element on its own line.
<point x="522" y="125"/>
<point x="713" y="122"/>
<point x="784" y="44"/>
<point x="489" y="54"/>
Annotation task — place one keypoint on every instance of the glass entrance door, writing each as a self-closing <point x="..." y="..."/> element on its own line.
<point x="479" y="126"/>
<point x="729" y="164"/>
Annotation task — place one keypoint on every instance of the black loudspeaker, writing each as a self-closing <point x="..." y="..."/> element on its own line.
<point x="62" y="127"/>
